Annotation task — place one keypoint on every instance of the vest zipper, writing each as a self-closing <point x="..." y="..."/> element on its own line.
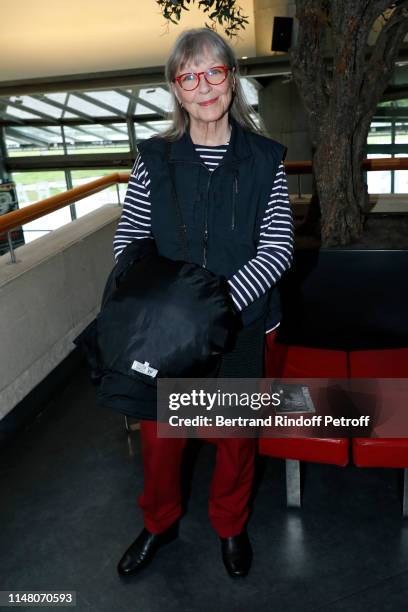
<point x="205" y="237"/>
<point x="234" y="194"/>
<point x="206" y="220"/>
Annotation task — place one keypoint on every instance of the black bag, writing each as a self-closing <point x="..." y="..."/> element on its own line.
<point x="165" y="318"/>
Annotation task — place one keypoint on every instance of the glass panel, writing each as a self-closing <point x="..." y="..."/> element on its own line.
<point x="107" y="196"/>
<point x="112" y="98"/>
<point x="58" y="97"/>
<point x="150" y="128"/>
<point x="401" y="132"/>
<point x="27" y="140"/>
<point x="42" y="107"/>
<point x="61" y="98"/>
<point x="143" y="110"/>
<point x="378" y="181"/>
<point x="35" y="186"/>
<point x="158" y="96"/>
<point x="401" y="178"/>
<point x="18" y="112"/>
<point x="11" y="143"/>
<point x="250" y="91"/>
<point x="97" y="138"/>
<point x="380" y="133"/>
<point x="93" y="110"/>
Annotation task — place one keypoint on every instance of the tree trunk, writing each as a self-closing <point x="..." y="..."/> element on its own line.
<point x="342" y="193"/>
<point x="340" y="93"/>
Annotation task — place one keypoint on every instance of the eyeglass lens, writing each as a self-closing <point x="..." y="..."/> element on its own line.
<point x="214" y="76"/>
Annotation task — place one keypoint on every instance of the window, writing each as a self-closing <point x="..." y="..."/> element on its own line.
<point x="97" y="138"/>
<point x="82" y="125"/>
<point x="34" y="186"/>
<point x="389" y="138"/>
<point x="108" y="196"/>
<point x="378" y="181"/>
<point x="24" y="140"/>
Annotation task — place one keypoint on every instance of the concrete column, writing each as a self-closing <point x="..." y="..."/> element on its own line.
<point x="282" y="111"/>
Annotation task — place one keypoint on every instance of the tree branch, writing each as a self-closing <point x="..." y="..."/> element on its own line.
<point x="380" y="66"/>
<point x="306" y="58"/>
<point x="351" y="27"/>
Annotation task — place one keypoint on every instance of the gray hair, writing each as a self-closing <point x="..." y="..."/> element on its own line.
<point x="190" y="46"/>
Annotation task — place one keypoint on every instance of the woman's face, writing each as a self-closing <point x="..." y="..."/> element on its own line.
<point x="206" y="103"/>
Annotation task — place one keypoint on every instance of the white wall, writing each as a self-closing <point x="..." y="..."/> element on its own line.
<point x="48" y="297"/>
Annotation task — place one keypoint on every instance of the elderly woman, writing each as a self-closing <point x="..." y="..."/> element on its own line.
<point x="230" y="184"/>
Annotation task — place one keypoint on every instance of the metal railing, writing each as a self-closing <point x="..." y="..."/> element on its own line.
<point x="17" y="218"/>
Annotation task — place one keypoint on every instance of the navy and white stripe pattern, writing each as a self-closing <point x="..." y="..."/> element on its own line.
<point x="135" y="220"/>
<point x="275" y="246"/>
<point x="274" y="250"/>
<point x="211" y="156"/>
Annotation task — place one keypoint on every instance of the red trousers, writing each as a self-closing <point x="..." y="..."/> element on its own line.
<point x="231" y="484"/>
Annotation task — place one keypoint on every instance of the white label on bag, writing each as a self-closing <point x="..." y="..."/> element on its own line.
<point x="144" y="368"/>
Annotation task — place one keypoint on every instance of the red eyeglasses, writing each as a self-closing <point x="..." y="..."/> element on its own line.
<point x="214" y="76"/>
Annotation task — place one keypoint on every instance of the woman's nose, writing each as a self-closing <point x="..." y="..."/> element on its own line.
<point x="203" y="86"/>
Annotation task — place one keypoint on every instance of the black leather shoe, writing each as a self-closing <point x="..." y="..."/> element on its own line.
<point x="237" y="554"/>
<point x="141" y="552"/>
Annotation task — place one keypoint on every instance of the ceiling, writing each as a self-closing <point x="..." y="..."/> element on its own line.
<point x="41" y="38"/>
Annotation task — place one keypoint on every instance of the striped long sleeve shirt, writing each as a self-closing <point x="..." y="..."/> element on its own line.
<point x="274" y="248"/>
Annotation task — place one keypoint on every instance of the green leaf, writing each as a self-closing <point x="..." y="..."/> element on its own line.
<point x="225" y="12"/>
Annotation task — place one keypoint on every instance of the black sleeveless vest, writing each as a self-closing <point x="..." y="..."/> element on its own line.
<point x="222" y="210"/>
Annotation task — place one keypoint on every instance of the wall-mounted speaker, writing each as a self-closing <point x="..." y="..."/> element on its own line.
<point x="282" y="33"/>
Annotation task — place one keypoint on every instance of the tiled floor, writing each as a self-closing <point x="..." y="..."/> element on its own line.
<point x="68" y="510"/>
